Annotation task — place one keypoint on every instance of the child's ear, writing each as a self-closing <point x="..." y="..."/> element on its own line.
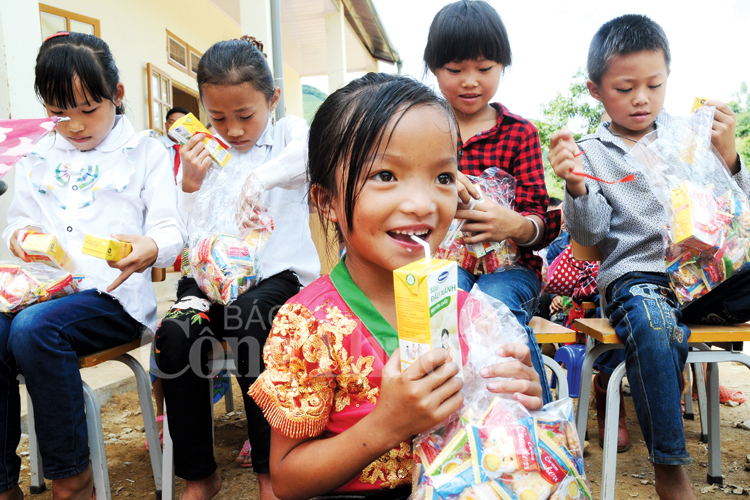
<point x="275" y="99"/>
<point x="594" y="90"/>
<point x="120" y="94"/>
<point x="321" y="198"/>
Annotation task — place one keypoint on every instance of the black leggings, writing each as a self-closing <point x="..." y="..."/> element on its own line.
<point x="182" y="359"/>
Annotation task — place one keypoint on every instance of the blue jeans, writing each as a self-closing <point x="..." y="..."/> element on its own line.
<point x="519" y="289"/>
<point x="43" y="343"/>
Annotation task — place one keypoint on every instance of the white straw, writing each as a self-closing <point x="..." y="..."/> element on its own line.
<point x="425" y="245"/>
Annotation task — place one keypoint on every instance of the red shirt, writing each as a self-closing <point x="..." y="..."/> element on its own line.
<point x="512" y="145"/>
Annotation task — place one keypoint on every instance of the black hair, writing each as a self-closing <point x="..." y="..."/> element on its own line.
<point x="466" y="30"/>
<point x="64" y="57"/>
<point x="624" y="35"/>
<point x="349" y="128"/>
<point x="554" y="202"/>
<point x="234" y="62"/>
<point x="176" y="109"/>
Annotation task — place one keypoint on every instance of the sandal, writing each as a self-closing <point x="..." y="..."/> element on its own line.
<point x="243" y="459"/>
<point x="160" y="418"/>
<point x="726" y="394"/>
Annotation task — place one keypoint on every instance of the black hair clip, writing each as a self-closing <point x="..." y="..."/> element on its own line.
<point x="59" y="33"/>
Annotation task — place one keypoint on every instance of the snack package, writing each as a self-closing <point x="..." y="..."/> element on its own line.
<point x="487" y="257"/>
<point x="427" y="308"/>
<point x="22" y="285"/>
<point x="493" y="448"/>
<point x="707" y="226"/>
<point x="40" y="247"/>
<point x="104" y="248"/>
<point x="187" y="126"/>
<point x="228" y="226"/>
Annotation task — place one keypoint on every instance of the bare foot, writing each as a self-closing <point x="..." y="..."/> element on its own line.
<point x="202" y="489"/>
<point x="672" y="483"/>
<point x="14" y="493"/>
<point x="264" y="487"/>
<point x="78" y="487"/>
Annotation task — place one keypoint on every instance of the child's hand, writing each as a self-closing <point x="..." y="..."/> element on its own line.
<point x="195" y="162"/>
<point x="466" y="190"/>
<point x="490" y="221"/>
<point x="556" y="304"/>
<point x="525" y="385"/>
<point x="419" y="398"/>
<point x="722" y="134"/>
<point x="565" y="158"/>
<point x="251" y="204"/>
<point x="15" y="246"/>
<point x="144" y="254"/>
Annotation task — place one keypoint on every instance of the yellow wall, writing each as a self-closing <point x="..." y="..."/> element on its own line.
<point x="136" y="33"/>
<point x="292" y="92"/>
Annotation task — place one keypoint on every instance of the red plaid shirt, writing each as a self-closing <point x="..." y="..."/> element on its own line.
<point x="512" y="145"/>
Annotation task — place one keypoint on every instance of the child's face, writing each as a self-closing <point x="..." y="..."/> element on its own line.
<point x="633" y="91"/>
<point x="469" y="85"/>
<point x="239" y="113"/>
<point x="411" y="189"/>
<point x="90" y="121"/>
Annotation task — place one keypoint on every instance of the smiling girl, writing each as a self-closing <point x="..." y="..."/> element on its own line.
<point x="467" y="50"/>
<point x="237" y="90"/>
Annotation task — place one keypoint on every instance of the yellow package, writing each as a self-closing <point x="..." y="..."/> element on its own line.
<point x="184" y="128"/>
<point x="104" y="248"/>
<point x="698" y="102"/>
<point x="427" y="309"/>
<point x="46" y="248"/>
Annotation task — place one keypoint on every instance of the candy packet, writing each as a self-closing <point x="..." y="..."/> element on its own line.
<point x="707" y="219"/>
<point x="493" y="448"/>
<point x="485" y="257"/>
<point x="229" y="226"/>
<point x="22" y="285"/>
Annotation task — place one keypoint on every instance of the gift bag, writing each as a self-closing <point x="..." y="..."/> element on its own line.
<point x="22" y="285"/>
<point x="486" y="257"/>
<point x="707" y="220"/>
<point x="493" y="447"/>
<point x="229" y="226"/>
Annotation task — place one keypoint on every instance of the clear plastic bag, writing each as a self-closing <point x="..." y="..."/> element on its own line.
<point x="486" y="257"/>
<point x="707" y="227"/>
<point x="229" y="225"/>
<point x="493" y="447"/>
<point x="22" y="285"/>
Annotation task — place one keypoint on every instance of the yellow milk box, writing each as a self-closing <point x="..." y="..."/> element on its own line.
<point x="427" y="309"/>
<point x="104" y="248"/>
<point x="46" y="248"/>
<point x="184" y="128"/>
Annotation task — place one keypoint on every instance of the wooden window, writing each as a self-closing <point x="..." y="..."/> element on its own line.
<point x="181" y="55"/>
<point x="159" y="99"/>
<point x="53" y="20"/>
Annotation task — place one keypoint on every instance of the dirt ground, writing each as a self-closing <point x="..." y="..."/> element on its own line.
<point x="130" y="469"/>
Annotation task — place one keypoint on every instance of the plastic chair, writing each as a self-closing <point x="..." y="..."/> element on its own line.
<point x="572" y="355"/>
<point x="547" y="332"/>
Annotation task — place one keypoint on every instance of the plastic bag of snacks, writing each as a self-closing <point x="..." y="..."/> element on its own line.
<point x="229" y="226"/>
<point x="485" y="257"/>
<point x="494" y="448"/>
<point x="706" y="235"/>
<point x="22" y="285"/>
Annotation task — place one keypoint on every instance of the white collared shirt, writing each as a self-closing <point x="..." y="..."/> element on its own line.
<point x="123" y="186"/>
<point x="279" y="160"/>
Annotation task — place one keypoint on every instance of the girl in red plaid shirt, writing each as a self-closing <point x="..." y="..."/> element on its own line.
<point x="468" y="50"/>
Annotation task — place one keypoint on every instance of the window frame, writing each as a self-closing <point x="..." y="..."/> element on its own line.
<point x="152" y="99"/>
<point x="189" y="51"/>
<point x="70" y="16"/>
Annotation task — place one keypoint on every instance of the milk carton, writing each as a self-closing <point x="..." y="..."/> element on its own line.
<point x="184" y="128"/>
<point x="46" y="248"/>
<point x="104" y="248"/>
<point x="483" y="247"/>
<point x="427" y="309"/>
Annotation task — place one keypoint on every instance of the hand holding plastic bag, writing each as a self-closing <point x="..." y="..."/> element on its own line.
<point x="229" y="226"/>
<point x="707" y="227"/>
<point x="495" y="448"/>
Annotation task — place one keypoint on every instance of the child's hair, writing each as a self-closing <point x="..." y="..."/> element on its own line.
<point x="466" y="30"/>
<point x="621" y="36"/>
<point x="234" y="62"/>
<point x="554" y="203"/>
<point x="176" y="109"/>
<point x="63" y="57"/>
<point x="349" y="128"/>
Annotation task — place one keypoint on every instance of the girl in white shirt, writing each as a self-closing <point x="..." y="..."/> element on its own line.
<point x="238" y="92"/>
<point x="95" y="176"/>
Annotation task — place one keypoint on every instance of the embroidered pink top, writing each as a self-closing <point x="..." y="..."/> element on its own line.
<point x="324" y="359"/>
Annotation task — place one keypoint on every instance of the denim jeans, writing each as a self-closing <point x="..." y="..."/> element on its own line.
<point x="519" y="289"/>
<point x="43" y="343"/>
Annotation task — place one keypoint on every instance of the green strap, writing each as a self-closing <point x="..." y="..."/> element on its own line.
<point x="363" y="308"/>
